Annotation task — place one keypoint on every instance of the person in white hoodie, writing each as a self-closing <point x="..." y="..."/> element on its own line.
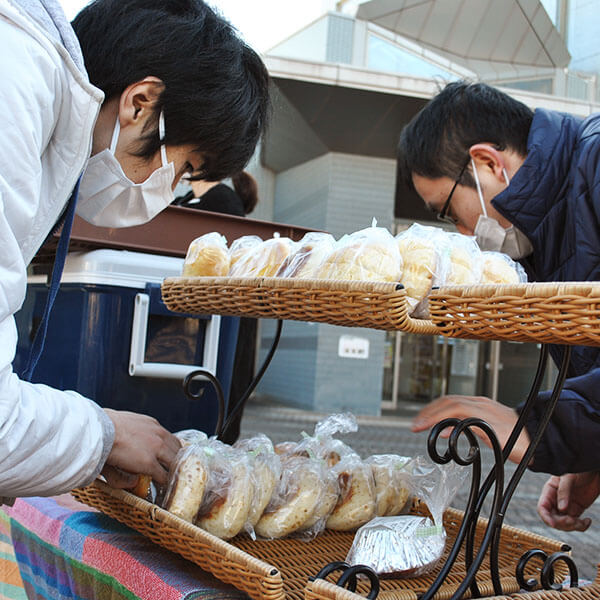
<point x="133" y="94"/>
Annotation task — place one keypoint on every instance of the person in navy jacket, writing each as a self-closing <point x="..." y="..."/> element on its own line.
<point x="526" y="183"/>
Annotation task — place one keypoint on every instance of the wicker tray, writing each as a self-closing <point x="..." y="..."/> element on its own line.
<point x="346" y="303"/>
<point x="555" y="313"/>
<point x="280" y="569"/>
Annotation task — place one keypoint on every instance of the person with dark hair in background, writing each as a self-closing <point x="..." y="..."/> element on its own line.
<point x="218" y="197"/>
<point x="127" y="99"/>
<point x="528" y="184"/>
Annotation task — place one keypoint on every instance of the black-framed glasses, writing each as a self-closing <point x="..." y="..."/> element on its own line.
<point x="443" y="214"/>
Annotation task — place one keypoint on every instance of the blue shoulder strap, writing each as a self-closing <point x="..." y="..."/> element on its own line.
<point x="59" y="262"/>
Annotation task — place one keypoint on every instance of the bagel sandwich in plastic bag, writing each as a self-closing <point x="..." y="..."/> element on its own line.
<point x="265" y="473"/>
<point x="411" y="545"/>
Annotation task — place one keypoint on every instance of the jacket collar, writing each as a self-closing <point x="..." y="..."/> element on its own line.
<point x="540" y="181"/>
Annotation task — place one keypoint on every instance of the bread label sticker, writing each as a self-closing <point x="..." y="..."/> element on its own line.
<point x="351" y="346"/>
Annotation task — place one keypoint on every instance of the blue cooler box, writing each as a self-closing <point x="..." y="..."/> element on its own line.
<point x="111" y="338"/>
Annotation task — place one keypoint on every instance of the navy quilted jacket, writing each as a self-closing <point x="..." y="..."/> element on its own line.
<point x="554" y="198"/>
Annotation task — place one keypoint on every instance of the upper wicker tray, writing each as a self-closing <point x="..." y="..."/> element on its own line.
<point x="554" y="313"/>
<point x="280" y="569"/>
<point x="347" y="303"/>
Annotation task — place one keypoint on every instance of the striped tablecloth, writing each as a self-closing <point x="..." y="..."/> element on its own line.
<point x="65" y="549"/>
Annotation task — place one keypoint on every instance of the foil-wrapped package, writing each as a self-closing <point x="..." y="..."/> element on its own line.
<point x="402" y="546"/>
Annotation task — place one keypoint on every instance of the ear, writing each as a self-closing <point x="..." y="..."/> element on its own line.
<point x="138" y="99"/>
<point x="486" y="156"/>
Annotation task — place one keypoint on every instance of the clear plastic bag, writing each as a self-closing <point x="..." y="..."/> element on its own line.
<point x="264" y="259"/>
<point x="266" y="473"/>
<point x="308" y="256"/>
<point x="465" y="260"/>
<point x="207" y="256"/>
<point x="187" y="482"/>
<point x="229" y="491"/>
<point x="391" y="474"/>
<point x="425" y="264"/>
<point x="299" y="491"/>
<point x="501" y="269"/>
<point x="355" y="503"/>
<point x="240" y="247"/>
<point x="410" y="545"/>
<point x="370" y="254"/>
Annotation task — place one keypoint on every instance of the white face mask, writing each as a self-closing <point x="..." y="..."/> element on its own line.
<point x="108" y="198"/>
<point x="492" y="236"/>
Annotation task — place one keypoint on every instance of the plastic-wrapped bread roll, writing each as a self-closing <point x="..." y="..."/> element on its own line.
<point x="241" y="246"/>
<point x="502" y="269"/>
<point x="391" y="483"/>
<point x="356" y="503"/>
<point x="207" y="256"/>
<point x="190" y="436"/>
<point x="266" y="473"/>
<point x="422" y="261"/>
<point x="368" y="255"/>
<point x="187" y="483"/>
<point x="229" y="497"/>
<point x="296" y="499"/>
<point x="311" y="251"/>
<point x="465" y="260"/>
<point x="264" y="259"/>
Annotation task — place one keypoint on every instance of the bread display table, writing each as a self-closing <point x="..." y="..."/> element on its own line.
<point x="562" y="314"/>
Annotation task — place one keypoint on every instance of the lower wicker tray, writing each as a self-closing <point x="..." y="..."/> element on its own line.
<point x="347" y="303"/>
<point x="280" y="569"/>
<point x="552" y="313"/>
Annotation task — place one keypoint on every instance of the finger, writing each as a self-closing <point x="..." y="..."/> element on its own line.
<point x="173" y="443"/>
<point x="564" y="492"/>
<point x="568" y="523"/>
<point x="159" y="473"/>
<point x="443" y="408"/>
<point x="118" y="478"/>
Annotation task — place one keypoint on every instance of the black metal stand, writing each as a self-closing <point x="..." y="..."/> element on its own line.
<point x="222" y="426"/>
<point x="477" y="495"/>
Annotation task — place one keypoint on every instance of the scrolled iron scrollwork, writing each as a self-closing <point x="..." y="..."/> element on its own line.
<point x="547" y="579"/>
<point x="348" y="577"/>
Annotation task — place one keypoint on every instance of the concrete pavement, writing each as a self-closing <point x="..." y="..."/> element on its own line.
<point x="380" y="435"/>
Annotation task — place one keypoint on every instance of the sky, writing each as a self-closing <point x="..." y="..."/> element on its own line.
<point x="262" y="23"/>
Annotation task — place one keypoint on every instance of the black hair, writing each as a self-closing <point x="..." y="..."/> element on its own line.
<point x="436" y="142"/>
<point x="247" y="189"/>
<point x="216" y="88"/>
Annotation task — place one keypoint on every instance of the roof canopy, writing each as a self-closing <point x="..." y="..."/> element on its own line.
<point x="475" y="33"/>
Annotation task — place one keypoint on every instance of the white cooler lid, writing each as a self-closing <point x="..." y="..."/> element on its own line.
<point x="116" y="267"/>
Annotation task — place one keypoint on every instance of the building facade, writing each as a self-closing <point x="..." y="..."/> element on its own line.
<point x="344" y="86"/>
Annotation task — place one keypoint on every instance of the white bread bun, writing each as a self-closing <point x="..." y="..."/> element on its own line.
<point x="207" y="256"/>
<point x="263" y="260"/>
<point x="419" y="265"/>
<point x="306" y="259"/>
<point x="295" y="501"/>
<point x="187" y="484"/>
<point x="499" y="268"/>
<point x="391" y="493"/>
<point x="465" y="262"/>
<point x="228" y="512"/>
<point x="370" y="254"/>
<point x="356" y="503"/>
<point x="241" y="246"/>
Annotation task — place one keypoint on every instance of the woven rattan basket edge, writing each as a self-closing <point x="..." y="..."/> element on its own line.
<point x="262" y="581"/>
<point x="257" y="578"/>
<point x="550" y="312"/>
<point x="252" y="297"/>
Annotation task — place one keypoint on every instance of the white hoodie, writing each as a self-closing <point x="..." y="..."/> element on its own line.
<point x="50" y="441"/>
